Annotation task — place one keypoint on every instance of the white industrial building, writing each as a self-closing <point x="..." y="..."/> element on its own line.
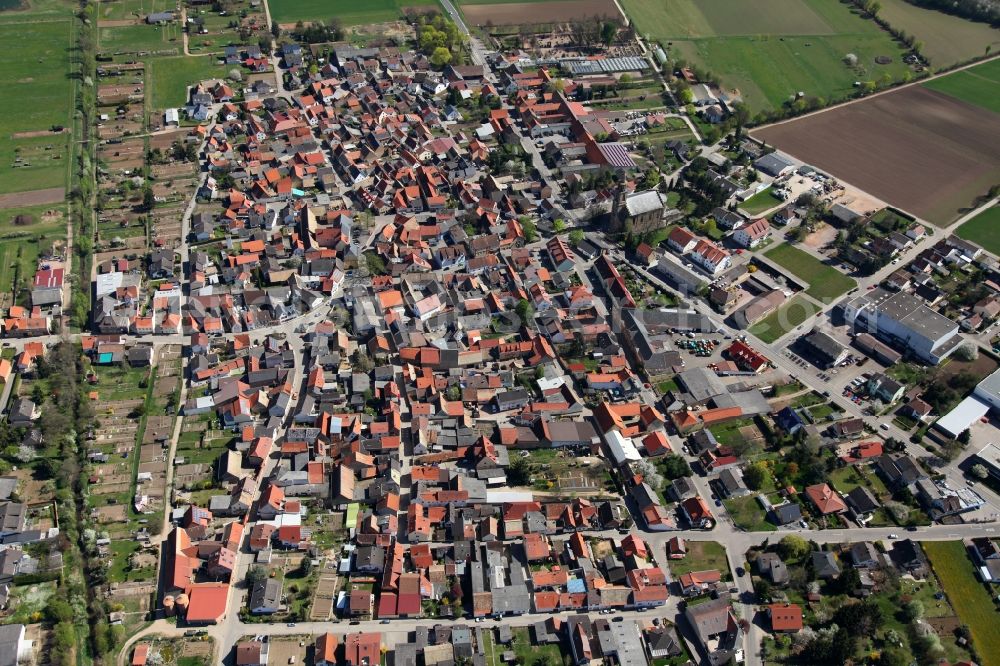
<point x="985" y="397"/>
<point x="904" y="320"/>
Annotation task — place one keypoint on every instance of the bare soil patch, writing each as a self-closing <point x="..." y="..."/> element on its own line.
<point x="823" y="236"/>
<point x="920" y="150"/>
<point x="36" y="133"/>
<point x="518" y="13"/>
<point x="52" y="195"/>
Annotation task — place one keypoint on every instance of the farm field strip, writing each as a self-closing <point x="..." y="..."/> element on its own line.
<point x="983" y="230"/>
<point x="36" y="94"/>
<point x="979" y="85"/>
<point x="971" y="602"/>
<point x="347" y="11"/>
<point x="947" y="40"/>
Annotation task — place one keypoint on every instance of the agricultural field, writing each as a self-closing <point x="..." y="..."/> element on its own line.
<point x="825" y="283"/>
<point x="771" y="50"/>
<point x="169" y="78"/>
<point x="968" y="596"/>
<point x="287" y="12"/>
<point x="947" y="39"/>
<point x="544" y="11"/>
<point x="984" y="230"/>
<point x="36" y="95"/>
<point x="979" y="85"/>
<point x="925" y="152"/>
<point x="787" y="317"/>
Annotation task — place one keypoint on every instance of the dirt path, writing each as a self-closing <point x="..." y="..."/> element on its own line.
<point x="52" y="195"/>
<point x="116" y="23"/>
<point x="36" y="133"/>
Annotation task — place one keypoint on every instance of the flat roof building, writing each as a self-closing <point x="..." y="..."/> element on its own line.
<point x="903" y="319"/>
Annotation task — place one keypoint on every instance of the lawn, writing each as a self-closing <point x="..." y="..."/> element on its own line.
<point x="139" y="37"/>
<point x="748" y="514"/>
<point x="784" y="320"/>
<point x="846" y="479"/>
<point x="825" y="282"/>
<point x="347" y="11"/>
<point x="758" y="203"/>
<point x="771" y="50"/>
<point x="701" y="556"/>
<point x="947" y="39"/>
<point x="984" y="230"/>
<point x="979" y="85"/>
<point x="169" y="78"/>
<point x="967" y="595"/>
<point x="526" y="653"/>
<point x="36" y="93"/>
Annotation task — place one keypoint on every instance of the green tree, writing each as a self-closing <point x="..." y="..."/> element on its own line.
<point x="255" y="575"/>
<point x="440" y="56"/>
<point x="756" y="475"/>
<point x="529" y="228"/>
<point x="576" y="237"/>
<point x="559" y="225"/>
<point x="608" y="32"/>
<point x="525" y="310"/>
<point x="793" y="547"/>
<point x="675" y="467"/>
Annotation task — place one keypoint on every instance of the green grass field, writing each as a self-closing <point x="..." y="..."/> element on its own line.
<point x="984" y="230"/>
<point x="979" y="85"/>
<point x="947" y="39"/>
<point x="167" y="79"/>
<point x="701" y="556"/>
<point x="787" y="317"/>
<point x="349" y="12"/>
<point x="36" y="10"/>
<point x="774" y="49"/>
<point x="36" y="93"/>
<point x="118" y="10"/>
<point x="825" y="283"/>
<point x="142" y="37"/>
<point x="747" y="514"/>
<point x="968" y="596"/>
<point x="758" y="203"/>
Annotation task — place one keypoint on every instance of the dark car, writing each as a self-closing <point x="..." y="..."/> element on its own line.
<point x="740" y="571"/>
<point x="617" y="618"/>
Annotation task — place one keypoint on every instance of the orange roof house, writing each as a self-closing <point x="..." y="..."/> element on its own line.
<point x="785" y="617"/>
<point x="207" y="603"/>
<point x="826" y="500"/>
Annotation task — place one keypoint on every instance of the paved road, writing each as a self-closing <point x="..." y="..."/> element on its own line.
<point x="477" y="51"/>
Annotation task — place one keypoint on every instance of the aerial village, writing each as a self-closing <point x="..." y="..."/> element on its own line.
<point x="460" y="365"/>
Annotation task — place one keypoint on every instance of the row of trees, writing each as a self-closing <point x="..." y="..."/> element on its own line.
<point x="318" y="32"/>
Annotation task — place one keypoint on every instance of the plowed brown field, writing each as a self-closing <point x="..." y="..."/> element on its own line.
<point x="920" y="150"/>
